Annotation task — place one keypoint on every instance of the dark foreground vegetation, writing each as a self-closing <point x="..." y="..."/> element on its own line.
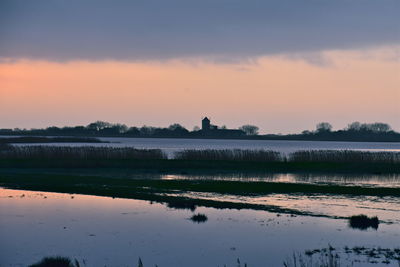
<point x="320" y="257"/>
<point x="336" y="257"/>
<point x="356" y="132"/>
<point x="197" y="161"/>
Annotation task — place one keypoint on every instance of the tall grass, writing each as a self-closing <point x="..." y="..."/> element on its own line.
<point x="209" y="158"/>
<point x="43" y="139"/>
<point x="229" y="155"/>
<point x="79" y="153"/>
<point x="345" y="156"/>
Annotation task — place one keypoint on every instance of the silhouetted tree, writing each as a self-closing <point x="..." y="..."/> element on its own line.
<point x="324" y="127"/>
<point x="249" y="129"/>
<point x="147" y="130"/>
<point x="354" y="126"/>
<point x="379" y="127"/>
<point x="176" y="129"/>
<point x="134" y="131"/>
<point x="176" y="126"/>
<point x="98" y="125"/>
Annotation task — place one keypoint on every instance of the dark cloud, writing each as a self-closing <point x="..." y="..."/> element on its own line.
<point x="163" y="29"/>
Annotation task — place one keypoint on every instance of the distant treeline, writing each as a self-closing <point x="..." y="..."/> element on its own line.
<point x="372" y="132"/>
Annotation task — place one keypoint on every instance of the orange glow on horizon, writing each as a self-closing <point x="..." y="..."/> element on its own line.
<point x="277" y="93"/>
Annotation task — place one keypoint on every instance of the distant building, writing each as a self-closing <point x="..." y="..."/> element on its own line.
<point x="207" y="129"/>
<point x="205" y="124"/>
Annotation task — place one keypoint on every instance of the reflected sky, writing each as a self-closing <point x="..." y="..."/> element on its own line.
<point x="116" y="232"/>
<point x="365" y="180"/>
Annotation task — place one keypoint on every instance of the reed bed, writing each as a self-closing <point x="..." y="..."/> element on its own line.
<point x="344" y="156"/>
<point x="339" y="156"/>
<point x="43" y="139"/>
<point x="229" y="155"/>
<point x="80" y="153"/>
<point x="210" y="159"/>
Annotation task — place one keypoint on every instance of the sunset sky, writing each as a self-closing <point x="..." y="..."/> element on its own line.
<point x="281" y="65"/>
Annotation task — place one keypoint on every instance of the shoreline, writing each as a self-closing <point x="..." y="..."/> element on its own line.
<point x="172" y="192"/>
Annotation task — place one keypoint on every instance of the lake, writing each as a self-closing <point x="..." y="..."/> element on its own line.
<point x="108" y="231"/>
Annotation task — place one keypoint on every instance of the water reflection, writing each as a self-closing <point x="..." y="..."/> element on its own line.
<point x="369" y="180"/>
<point x="116" y="232"/>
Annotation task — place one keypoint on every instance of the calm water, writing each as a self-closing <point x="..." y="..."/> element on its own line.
<point x="116" y="232"/>
<point x="170" y="145"/>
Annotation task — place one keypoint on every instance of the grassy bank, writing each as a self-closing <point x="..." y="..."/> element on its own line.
<point x="194" y="161"/>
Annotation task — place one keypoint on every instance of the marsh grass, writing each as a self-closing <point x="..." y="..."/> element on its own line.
<point x="363" y="222"/>
<point x="229" y="155"/>
<point x="197" y="161"/>
<point x="80" y="153"/>
<point x="335" y="156"/>
<point x="43" y="139"/>
<point x="344" y="156"/>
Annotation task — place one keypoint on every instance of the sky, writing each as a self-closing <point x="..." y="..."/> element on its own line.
<point x="281" y="65"/>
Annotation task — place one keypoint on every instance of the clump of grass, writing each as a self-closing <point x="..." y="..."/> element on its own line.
<point x="55" y="262"/>
<point x="344" y="156"/>
<point x="82" y="153"/>
<point x="199" y="218"/>
<point x="229" y="155"/>
<point x="363" y="222"/>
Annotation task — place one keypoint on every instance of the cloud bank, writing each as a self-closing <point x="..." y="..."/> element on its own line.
<point x="135" y="30"/>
